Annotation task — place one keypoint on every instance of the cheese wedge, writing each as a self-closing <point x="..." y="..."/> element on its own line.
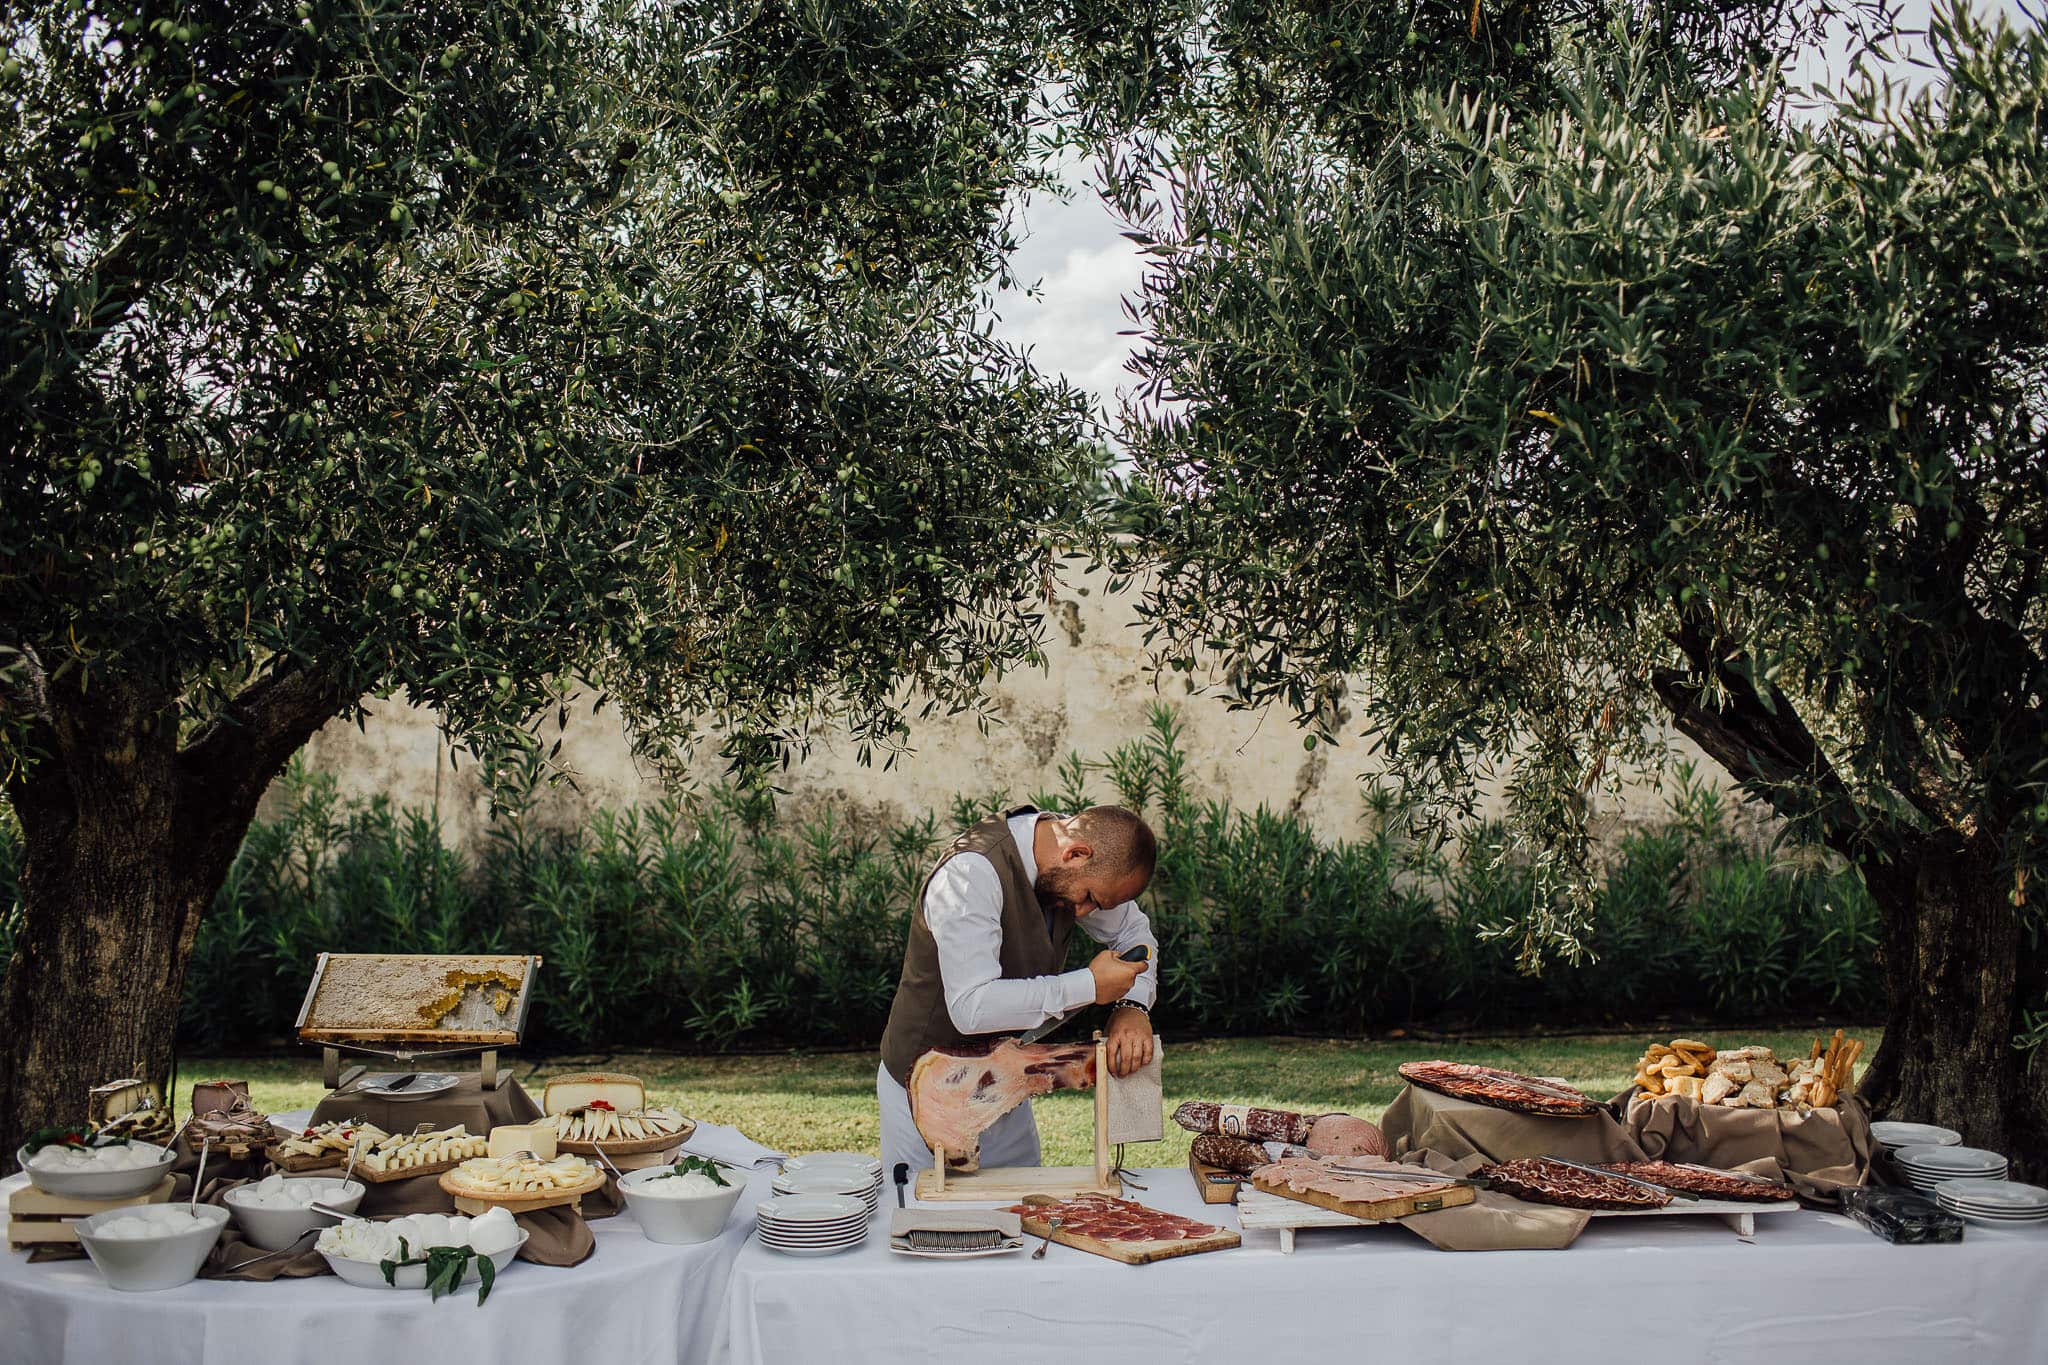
<point x="508" y="1138"/>
<point x="580" y="1091"/>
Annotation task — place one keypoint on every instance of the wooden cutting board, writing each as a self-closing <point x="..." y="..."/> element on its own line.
<point x="1395" y="1203"/>
<point x="1132" y="1253"/>
<point x="1217" y="1186"/>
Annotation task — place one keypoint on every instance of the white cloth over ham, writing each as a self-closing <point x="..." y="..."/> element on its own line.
<point x="957" y="1093"/>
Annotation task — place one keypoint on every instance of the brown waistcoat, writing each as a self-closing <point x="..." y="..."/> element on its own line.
<point x="918" y="1020"/>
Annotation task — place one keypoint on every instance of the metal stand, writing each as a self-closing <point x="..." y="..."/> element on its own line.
<point x="334" y="1075"/>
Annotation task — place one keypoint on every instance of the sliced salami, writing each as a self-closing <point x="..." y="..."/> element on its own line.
<point x="1704" y="1180"/>
<point x="1498" y="1089"/>
<point x="1543" y="1181"/>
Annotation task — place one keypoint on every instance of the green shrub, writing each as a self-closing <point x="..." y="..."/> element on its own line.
<point x="721" y="920"/>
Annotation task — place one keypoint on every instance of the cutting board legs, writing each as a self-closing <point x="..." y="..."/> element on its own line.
<point x="1743" y="1223"/>
<point x="1287" y="1241"/>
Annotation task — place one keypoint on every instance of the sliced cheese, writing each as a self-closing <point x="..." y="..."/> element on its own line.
<point x="565" y="1093"/>
<point x="508" y="1138"/>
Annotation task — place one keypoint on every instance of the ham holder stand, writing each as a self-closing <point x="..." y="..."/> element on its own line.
<point x="1127" y="1109"/>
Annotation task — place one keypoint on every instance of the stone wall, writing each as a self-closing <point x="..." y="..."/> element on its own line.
<point x="1091" y="697"/>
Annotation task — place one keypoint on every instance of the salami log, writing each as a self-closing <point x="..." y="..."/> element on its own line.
<point x="1229" y="1153"/>
<point x="1322" y="1134"/>
<point x="1243" y="1121"/>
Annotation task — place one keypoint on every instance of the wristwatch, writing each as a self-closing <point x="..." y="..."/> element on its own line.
<point x="1132" y="1004"/>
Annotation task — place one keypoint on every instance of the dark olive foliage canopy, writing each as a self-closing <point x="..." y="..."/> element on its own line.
<point x="490" y="348"/>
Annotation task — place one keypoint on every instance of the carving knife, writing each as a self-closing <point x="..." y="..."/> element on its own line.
<point x="1137" y="954"/>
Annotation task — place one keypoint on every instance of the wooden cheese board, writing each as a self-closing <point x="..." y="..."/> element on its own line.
<point x="523" y="1203"/>
<point x="1216" y="1185"/>
<point x="1130" y="1253"/>
<point x="36" y="1217"/>
<point x="661" y="1142"/>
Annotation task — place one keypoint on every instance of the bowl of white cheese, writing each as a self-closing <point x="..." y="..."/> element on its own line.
<point x="680" y="1210"/>
<point x="120" y="1170"/>
<point x="278" y="1210"/>
<point x="151" y="1246"/>
<point x="357" y="1248"/>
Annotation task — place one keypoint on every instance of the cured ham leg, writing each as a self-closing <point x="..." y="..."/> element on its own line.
<point x="956" y="1093"/>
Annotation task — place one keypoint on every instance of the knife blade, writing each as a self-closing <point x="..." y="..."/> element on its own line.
<point x="1032" y="1035"/>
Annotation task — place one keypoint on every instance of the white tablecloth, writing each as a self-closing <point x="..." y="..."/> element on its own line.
<point x="1808" y="1287"/>
<point x="633" y="1301"/>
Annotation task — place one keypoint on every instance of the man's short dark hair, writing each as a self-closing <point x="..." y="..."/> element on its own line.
<point x="1120" y="838"/>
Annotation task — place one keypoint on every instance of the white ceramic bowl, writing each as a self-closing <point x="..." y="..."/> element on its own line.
<point x="370" y="1275"/>
<point x="683" y="1221"/>
<point x="276" y="1229"/>
<point x="155" y="1262"/>
<point x="102" y="1184"/>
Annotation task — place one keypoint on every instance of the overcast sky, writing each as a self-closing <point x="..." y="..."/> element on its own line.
<point x="1085" y="268"/>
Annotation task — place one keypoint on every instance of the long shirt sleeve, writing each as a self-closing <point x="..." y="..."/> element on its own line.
<point x="1120" y="928"/>
<point x="963" y="907"/>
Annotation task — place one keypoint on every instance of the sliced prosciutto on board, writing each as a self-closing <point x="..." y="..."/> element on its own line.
<point x="1108" y="1219"/>
<point x="957" y="1093"/>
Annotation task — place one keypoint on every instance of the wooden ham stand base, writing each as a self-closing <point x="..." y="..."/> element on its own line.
<point x="1012" y="1184"/>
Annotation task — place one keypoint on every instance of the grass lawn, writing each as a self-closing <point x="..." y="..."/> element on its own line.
<point x="827" y="1101"/>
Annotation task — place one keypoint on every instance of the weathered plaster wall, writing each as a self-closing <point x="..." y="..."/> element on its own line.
<point x="1091" y="698"/>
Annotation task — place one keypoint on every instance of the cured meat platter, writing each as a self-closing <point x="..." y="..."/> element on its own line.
<point x="1120" y="1229"/>
<point x="1499" y="1089"/>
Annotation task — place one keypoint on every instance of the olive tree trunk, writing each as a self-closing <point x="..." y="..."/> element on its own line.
<point x="126" y="839"/>
<point x="1959" y="971"/>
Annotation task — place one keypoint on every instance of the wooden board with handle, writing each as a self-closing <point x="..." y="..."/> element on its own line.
<point x="1130" y="1253"/>
<point x="1396" y="1203"/>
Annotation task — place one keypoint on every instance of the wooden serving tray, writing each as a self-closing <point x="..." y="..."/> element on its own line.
<point x="386" y="1177"/>
<point x="35" y="1217"/>
<point x="1131" y="1253"/>
<point x="1217" y="1186"/>
<point x="1422" y="1200"/>
<point x="629" y="1146"/>
<point x="522" y="1203"/>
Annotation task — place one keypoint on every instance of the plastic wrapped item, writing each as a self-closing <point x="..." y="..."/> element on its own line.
<point x="1902" y="1217"/>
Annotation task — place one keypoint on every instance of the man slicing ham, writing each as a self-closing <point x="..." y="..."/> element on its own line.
<point x="988" y="938"/>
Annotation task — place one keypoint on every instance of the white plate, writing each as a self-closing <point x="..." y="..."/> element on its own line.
<point x="2005" y="1196"/>
<point x="859" y="1229"/>
<point x="836" y="1235"/>
<point x="811" y="1251"/>
<point x="811" y="1161"/>
<point x="1896" y="1134"/>
<point x="428" y="1083"/>
<point x="1947" y="1158"/>
<point x="812" y="1208"/>
<point x="824" y="1182"/>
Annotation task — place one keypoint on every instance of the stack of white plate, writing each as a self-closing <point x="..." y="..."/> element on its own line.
<point x="1993" y="1201"/>
<point x="1893" y="1135"/>
<point x="1926" y="1167"/>
<point x="833" y="1173"/>
<point x="812" y="1224"/>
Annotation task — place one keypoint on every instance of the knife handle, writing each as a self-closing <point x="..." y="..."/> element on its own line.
<point x="1137" y="954"/>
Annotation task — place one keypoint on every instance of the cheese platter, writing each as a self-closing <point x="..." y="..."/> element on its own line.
<point x="427" y="1152"/>
<point x="1120" y="1229"/>
<point x="520" y="1184"/>
<point x="598" y="1114"/>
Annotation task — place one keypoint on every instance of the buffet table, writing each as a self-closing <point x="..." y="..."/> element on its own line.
<point x="1807" y="1286"/>
<point x="633" y="1301"/>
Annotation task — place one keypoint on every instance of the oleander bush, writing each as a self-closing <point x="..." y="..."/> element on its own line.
<point x="719" y="920"/>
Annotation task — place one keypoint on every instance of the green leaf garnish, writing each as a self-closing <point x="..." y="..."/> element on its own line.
<point x="696" y="1163"/>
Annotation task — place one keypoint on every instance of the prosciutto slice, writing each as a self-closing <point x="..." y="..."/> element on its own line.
<point x="956" y="1093"/>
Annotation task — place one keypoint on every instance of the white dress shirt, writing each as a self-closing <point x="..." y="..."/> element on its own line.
<point x="963" y="907"/>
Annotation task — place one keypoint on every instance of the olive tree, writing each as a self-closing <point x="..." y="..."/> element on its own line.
<point x="1557" y="370"/>
<point x="491" y="350"/>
